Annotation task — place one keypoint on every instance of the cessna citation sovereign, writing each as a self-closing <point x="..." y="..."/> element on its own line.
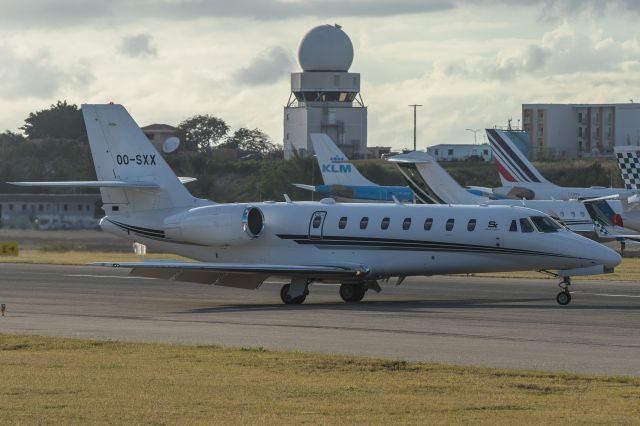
<point x="355" y="245"/>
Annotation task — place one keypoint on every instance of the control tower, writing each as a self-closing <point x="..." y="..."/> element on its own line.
<point x="325" y="96"/>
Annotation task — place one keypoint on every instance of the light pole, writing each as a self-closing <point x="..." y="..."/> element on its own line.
<point x="475" y="133"/>
<point x="415" y="107"/>
<point x="313" y="176"/>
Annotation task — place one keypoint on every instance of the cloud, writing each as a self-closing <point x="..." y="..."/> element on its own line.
<point x="37" y="76"/>
<point x="266" y="68"/>
<point x="78" y="12"/>
<point x="138" y="45"/>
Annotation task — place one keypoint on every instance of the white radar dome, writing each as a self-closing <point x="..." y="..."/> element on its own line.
<point x="325" y="48"/>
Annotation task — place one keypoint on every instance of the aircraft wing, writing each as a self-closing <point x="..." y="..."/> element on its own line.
<point x="240" y="275"/>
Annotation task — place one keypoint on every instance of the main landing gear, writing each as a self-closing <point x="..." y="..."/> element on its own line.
<point x="352" y="292"/>
<point x="296" y="292"/>
<point x="564" y="297"/>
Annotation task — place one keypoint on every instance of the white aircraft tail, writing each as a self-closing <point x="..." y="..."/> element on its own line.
<point x="430" y="182"/>
<point x="132" y="175"/>
<point x="629" y="162"/>
<point x="334" y="166"/>
<point x="513" y="166"/>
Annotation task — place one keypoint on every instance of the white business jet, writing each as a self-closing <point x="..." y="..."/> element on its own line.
<point x="429" y="181"/>
<point x="355" y="245"/>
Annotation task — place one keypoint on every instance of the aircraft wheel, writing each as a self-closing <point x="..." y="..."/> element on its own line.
<point x="563" y="298"/>
<point x="287" y="299"/>
<point x="352" y="292"/>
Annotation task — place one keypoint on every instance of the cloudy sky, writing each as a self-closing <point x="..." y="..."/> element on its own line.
<point x="471" y="63"/>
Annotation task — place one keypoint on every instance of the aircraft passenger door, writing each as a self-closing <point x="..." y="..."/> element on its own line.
<point x="316" y="224"/>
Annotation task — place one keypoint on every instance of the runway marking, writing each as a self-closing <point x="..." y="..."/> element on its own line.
<point x="124" y="277"/>
<point x="607" y="295"/>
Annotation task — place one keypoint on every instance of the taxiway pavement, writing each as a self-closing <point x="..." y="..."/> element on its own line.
<point x="459" y="320"/>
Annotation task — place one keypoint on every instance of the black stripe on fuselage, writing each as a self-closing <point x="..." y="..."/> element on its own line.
<point x="512" y="155"/>
<point x="373" y="243"/>
<point x="152" y="233"/>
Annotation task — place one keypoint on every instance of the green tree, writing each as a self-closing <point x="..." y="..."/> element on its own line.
<point x="60" y="121"/>
<point x="250" y="142"/>
<point x="201" y="132"/>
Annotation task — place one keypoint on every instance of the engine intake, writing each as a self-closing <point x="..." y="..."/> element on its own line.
<point x="252" y="221"/>
<point x="216" y="225"/>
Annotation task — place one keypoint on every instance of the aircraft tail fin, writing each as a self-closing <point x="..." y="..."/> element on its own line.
<point x="132" y="175"/>
<point x="629" y="163"/>
<point x="334" y="165"/>
<point x="513" y="166"/>
<point x="121" y="152"/>
<point x="430" y="182"/>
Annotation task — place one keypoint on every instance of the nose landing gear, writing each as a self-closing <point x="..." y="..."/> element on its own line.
<point x="564" y="297"/>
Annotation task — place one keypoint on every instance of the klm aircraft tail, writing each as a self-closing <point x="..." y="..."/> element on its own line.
<point x="132" y="175"/>
<point x="335" y="167"/>
<point x="513" y="165"/>
<point x="431" y="183"/>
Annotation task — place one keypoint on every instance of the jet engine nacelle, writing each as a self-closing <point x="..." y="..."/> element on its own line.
<point x="225" y="225"/>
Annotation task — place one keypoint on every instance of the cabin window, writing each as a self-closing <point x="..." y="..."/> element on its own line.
<point x="526" y="226"/>
<point x="545" y="224"/>
<point x="514" y="226"/>
<point x="406" y="223"/>
<point x="428" y="223"/>
<point x="317" y="220"/>
<point x="449" y="225"/>
<point x="342" y="223"/>
<point x="471" y="225"/>
<point x="364" y="222"/>
<point x="385" y="223"/>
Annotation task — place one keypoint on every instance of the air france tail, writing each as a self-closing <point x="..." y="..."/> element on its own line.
<point x="513" y="165"/>
<point x="335" y="167"/>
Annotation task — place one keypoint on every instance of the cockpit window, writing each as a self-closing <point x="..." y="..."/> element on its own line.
<point x="514" y="226"/>
<point x="545" y="224"/>
<point x="525" y="225"/>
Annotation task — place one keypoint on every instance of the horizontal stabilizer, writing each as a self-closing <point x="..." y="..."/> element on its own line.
<point x="90" y="184"/>
<point x="303" y="186"/>
<point x="187" y="179"/>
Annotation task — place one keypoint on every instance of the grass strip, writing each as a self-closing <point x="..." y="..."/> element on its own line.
<point x="61" y="381"/>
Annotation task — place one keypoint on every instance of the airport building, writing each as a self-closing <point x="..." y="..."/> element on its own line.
<point x="159" y="133"/>
<point x="325" y="96"/>
<point x="50" y="211"/>
<point x="460" y="152"/>
<point x="568" y="131"/>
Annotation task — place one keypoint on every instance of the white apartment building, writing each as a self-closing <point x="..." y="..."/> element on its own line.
<point x="568" y="131"/>
<point x="457" y="152"/>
